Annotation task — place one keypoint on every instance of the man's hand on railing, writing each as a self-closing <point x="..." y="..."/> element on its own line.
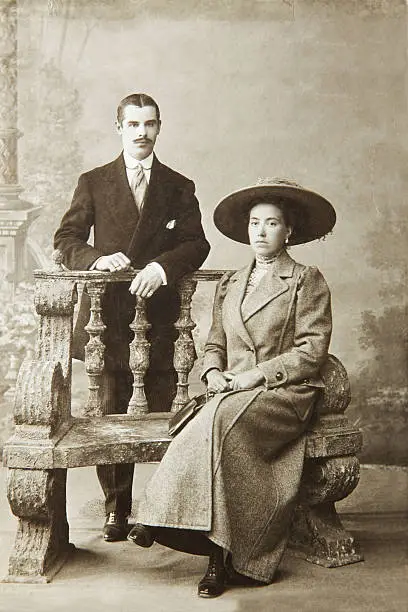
<point x="117" y="262"/>
<point x="146" y="282"/>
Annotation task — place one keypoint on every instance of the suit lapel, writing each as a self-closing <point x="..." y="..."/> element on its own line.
<point x="270" y="287"/>
<point x="154" y="210"/>
<point x="120" y="204"/>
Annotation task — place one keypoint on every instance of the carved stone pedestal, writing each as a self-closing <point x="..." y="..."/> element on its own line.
<point x="36" y="491"/>
<point x="331" y="473"/>
<point x="38" y="499"/>
<point x="317" y="532"/>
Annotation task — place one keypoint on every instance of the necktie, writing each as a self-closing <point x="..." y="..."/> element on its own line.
<point x="139" y="186"/>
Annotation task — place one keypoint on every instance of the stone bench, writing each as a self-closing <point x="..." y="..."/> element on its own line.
<point x="48" y="440"/>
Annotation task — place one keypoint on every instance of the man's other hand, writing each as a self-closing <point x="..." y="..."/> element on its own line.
<point x="117" y="262"/>
<point x="146" y="282"/>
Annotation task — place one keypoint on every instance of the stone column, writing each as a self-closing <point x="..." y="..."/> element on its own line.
<point x="16" y="215"/>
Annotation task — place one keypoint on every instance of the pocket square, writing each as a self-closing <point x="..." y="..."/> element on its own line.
<point x="171" y="224"/>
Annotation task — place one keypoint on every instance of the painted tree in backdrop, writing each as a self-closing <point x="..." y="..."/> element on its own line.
<point x="381" y="386"/>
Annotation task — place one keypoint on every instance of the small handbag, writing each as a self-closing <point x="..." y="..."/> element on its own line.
<point x="188" y="412"/>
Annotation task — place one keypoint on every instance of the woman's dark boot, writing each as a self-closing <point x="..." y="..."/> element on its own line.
<point x="141" y="535"/>
<point x="212" y="584"/>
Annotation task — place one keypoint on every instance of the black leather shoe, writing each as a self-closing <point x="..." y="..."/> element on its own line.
<point x="234" y="578"/>
<point x="213" y="583"/>
<point x="116" y="527"/>
<point x="141" y="535"/>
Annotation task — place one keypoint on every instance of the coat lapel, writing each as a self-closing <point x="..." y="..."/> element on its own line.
<point x="154" y="211"/>
<point x="120" y="204"/>
<point x="236" y="292"/>
<point x="271" y="286"/>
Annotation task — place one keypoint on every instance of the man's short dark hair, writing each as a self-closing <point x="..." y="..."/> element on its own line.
<point x="137" y="99"/>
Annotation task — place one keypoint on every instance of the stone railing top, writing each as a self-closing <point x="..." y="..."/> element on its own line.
<point x="111" y="277"/>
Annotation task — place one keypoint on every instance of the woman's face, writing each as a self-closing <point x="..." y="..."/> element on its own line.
<point x="267" y="229"/>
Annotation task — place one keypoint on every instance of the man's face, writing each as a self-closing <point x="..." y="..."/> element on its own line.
<point x="139" y="130"/>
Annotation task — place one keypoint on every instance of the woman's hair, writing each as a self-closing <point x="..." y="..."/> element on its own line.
<point x="137" y="99"/>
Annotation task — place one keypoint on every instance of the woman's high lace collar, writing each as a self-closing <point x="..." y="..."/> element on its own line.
<point x="264" y="262"/>
<point x="261" y="267"/>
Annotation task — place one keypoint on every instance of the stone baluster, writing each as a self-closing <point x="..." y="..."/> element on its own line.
<point x="95" y="349"/>
<point x="184" y="351"/>
<point x="139" y="359"/>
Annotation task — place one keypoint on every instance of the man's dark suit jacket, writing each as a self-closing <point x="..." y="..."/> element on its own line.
<point x="103" y="199"/>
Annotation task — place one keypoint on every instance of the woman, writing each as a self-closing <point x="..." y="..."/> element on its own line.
<point x="227" y="486"/>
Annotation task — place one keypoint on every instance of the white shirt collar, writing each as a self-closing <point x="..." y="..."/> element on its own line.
<point x="132" y="163"/>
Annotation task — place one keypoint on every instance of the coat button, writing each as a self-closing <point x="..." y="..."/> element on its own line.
<point x="279" y="376"/>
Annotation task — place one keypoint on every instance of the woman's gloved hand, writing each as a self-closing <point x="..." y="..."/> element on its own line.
<point x="217" y="381"/>
<point x="245" y="380"/>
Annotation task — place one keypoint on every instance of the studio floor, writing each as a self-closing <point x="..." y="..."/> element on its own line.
<point x="121" y="577"/>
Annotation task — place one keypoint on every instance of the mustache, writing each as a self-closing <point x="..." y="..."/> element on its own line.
<point x="142" y="140"/>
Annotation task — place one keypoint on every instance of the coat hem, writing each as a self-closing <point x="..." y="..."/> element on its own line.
<point x="195" y="527"/>
<point x="241" y="569"/>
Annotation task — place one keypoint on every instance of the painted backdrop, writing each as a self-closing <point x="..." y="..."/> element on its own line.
<point x="313" y="90"/>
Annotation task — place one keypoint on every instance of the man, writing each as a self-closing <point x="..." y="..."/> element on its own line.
<point x="144" y="215"/>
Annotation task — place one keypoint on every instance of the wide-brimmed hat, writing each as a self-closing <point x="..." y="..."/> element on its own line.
<point x="314" y="215"/>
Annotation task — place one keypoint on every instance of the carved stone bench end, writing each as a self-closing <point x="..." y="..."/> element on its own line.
<point x="317" y="532"/>
<point x="331" y="473"/>
<point x="38" y="499"/>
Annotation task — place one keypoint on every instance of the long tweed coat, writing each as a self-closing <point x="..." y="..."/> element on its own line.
<point x="234" y="470"/>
